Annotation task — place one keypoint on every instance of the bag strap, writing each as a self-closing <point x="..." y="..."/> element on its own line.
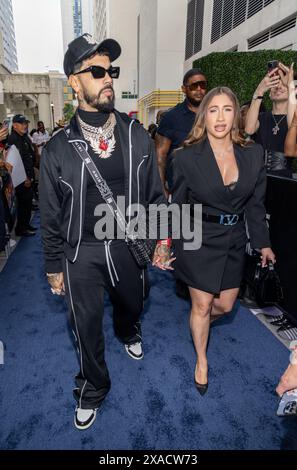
<point x="105" y="191"/>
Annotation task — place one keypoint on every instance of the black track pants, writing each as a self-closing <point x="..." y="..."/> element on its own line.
<point x="101" y="266"/>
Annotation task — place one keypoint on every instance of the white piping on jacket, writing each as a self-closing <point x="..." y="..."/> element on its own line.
<point x="130" y="169"/>
<point x="80" y="210"/>
<point x="71" y="209"/>
<point x="138" y="170"/>
<point x="110" y="260"/>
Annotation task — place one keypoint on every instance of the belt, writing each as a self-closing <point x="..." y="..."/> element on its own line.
<point x="223" y="219"/>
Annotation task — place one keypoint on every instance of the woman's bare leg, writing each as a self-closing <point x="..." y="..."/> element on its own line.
<point x="223" y="304"/>
<point x="199" y="323"/>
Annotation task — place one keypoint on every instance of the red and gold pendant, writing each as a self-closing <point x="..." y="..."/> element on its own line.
<point x="103" y="144"/>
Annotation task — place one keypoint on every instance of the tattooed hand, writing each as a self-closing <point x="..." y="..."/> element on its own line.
<point x="56" y="281"/>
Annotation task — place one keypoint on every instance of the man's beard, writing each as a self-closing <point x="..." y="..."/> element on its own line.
<point x="193" y="101"/>
<point x="102" y="107"/>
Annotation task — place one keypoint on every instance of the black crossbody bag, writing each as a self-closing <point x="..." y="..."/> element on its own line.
<point x="142" y="249"/>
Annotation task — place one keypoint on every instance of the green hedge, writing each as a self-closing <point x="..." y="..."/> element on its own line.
<point x="241" y="71"/>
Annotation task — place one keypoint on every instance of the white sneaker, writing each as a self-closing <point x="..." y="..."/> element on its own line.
<point x="135" y="350"/>
<point x="83" y="419"/>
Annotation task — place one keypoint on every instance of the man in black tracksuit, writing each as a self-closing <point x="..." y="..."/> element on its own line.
<point x="75" y="259"/>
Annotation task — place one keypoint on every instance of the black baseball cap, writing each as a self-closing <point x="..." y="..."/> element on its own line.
<point x="85" y="46"/>
<point x="20" y="118"/>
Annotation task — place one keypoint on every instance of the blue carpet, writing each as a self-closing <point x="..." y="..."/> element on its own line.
<point x="153" y="403"/>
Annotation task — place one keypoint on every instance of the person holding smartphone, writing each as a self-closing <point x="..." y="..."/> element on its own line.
<point x="271" y="127"/>
<point x="4" y="129"/>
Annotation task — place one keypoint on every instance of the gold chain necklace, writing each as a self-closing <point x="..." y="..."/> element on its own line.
<point x="101" y="139"/>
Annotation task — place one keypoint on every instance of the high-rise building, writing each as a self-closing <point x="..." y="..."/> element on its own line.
<point x="152" y="37"/>
<point x="161" y="46"/>
<point x="100" y="23"/>
<point x="77" y="18"/>
<point x="8" y="52"/>
<point x="119" y="20"/>
<point x="239" y="25"/>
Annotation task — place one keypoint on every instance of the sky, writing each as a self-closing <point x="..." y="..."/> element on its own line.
<point x="38" y="30"/>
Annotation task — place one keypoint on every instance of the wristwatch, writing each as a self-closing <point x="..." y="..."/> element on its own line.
<point x="258" y="97"/>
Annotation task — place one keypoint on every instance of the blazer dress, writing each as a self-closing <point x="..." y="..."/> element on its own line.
<point x="219" y="263"/>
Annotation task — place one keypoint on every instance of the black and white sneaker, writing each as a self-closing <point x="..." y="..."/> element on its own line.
<point x="83" y="419"/>
<point x="135" y="350"/>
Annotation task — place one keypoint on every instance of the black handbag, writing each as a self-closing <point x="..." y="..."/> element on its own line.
<point x="142" y="250"/>
<point x="268" y="289"/>
<point x="262" y="284"/>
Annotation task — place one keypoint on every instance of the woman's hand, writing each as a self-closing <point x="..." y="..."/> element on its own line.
<point x="162" y="258"/>
<point x="266" y="256"/>
<point x="3" y="133"/>
<point x="286" y="74"/>
<point x="269" y="81"/>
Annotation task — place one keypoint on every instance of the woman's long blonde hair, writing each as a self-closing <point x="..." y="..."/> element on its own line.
<point x="199" y="132"/>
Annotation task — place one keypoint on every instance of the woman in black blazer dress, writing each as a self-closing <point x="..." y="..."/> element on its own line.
<point x="218" y="169"/>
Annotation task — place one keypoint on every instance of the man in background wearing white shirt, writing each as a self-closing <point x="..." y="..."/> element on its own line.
<point x="40" y="138"/>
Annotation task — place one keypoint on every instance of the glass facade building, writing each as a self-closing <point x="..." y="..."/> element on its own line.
<point x="8" y="50"/>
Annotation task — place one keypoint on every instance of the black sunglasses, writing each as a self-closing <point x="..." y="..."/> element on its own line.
<point x="99" y="72"/>
<point x="200" y="83"/>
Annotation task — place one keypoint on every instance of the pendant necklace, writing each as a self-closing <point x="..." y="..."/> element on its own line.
<point x="275" y="129"/>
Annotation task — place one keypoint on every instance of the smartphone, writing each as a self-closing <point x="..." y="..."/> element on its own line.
<point x="272" y="64"/>
<point x="8" y="124"/>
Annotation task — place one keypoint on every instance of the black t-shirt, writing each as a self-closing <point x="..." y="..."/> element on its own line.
<point x="176" y="124"/>
<point x="111" y="169"/>
<point x="265" y="135"/>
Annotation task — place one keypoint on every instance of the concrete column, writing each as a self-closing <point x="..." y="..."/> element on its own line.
<point x="3" y="112"/>
<point x="30" y="116"/>
<point x="44" y="110"/>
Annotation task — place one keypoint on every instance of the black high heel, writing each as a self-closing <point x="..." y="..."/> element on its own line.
<point x="202" y="388"/>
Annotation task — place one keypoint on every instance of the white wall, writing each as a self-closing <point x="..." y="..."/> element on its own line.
<point x="171" y="34"/>
<point x="148" y="46"/>
<point x="162" y="44"/>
